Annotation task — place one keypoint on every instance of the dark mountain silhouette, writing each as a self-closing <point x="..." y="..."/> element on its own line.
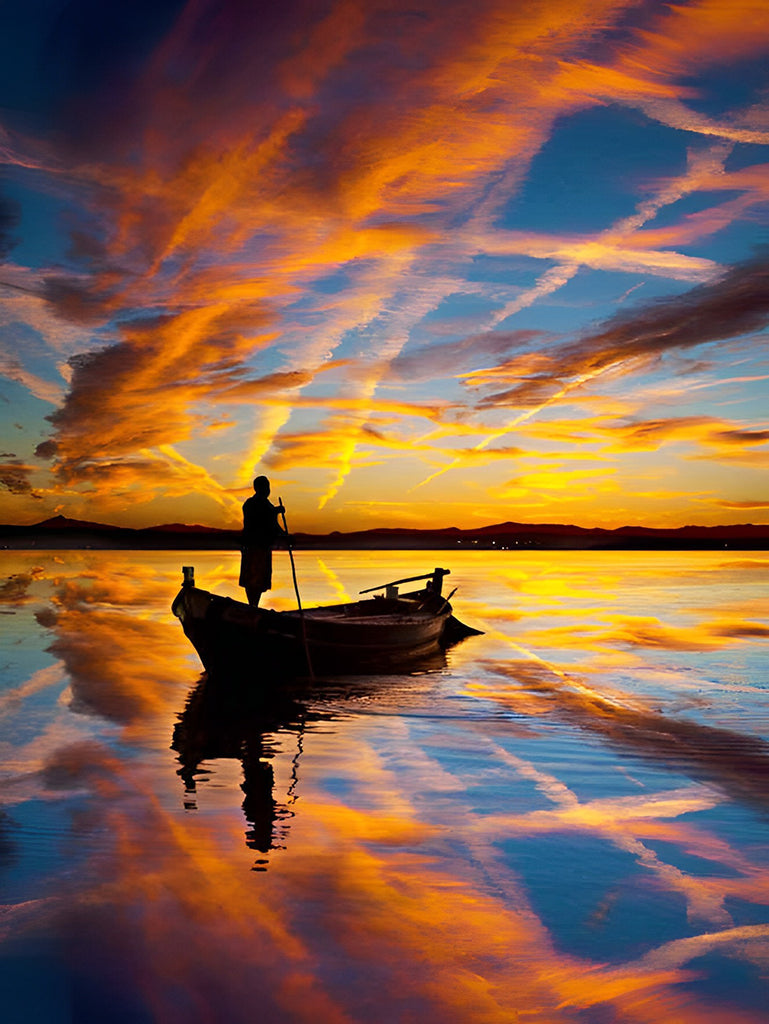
<point x="61" y="533"/>
<point x="62" y="523"/>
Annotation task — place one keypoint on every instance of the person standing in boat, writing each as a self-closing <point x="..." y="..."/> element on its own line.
<point x="260" y="531"/>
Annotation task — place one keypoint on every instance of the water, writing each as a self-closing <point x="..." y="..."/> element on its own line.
<point x="568" y="822"/>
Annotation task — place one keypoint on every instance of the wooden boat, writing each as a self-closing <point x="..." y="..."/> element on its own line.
<point x="387" y="632"/>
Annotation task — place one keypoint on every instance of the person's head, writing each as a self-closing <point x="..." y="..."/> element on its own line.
<point x="262" y="486"/>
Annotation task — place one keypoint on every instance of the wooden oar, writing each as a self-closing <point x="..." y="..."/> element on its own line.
<point x="296" y="591"/>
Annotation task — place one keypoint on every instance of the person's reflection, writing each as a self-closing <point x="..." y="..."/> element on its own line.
<point x="259" y="804"/>
<point x="220" y="722"/>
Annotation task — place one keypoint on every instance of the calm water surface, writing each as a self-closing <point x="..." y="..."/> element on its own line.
<point x="566" y="822"/>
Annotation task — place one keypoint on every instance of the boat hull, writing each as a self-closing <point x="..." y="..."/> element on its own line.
<point x="375" y="635"/>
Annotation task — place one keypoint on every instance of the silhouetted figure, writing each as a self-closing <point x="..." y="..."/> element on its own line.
<point x="260" y="531"/>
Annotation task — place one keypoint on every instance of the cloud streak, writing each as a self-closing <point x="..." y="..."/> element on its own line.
<point x="736" y="305"/>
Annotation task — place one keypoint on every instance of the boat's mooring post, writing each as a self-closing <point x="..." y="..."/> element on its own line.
<point x="188" y="572"/>
<point x="436" y="583"/>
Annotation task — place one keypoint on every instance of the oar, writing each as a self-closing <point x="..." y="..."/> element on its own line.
<point x="296" y="591"/>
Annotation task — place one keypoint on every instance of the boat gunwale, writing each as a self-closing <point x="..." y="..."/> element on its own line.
<point x="343" y="613"/>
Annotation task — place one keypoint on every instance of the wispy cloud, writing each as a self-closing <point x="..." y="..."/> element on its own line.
<point x="735" y="305"/>
<point x="758" y="503"/>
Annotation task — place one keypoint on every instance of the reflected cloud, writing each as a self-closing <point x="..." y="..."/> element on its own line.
<point x="136" y="657"/>
<point x="15" y="589"/>
<point x="44" y="678"/>
<point x="660" y="969"/>
<point x="423" y="818"/>
<point x="645" y="631"/>
<point x="736" y="763"/>
<point x="625" y="822"/>
<point x="124" y="660"/>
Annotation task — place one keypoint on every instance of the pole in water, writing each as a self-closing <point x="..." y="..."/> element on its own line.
<point x="296" y="591"/>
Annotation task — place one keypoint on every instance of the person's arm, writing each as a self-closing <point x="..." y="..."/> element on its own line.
<point x="279" y="531"/>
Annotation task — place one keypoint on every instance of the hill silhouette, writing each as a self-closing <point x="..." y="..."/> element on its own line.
<point x="59" y="532"/>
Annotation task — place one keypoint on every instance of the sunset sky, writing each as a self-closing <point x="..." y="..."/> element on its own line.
<point x="423" y="264"/>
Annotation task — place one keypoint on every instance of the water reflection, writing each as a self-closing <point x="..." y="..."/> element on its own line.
<point x="735" y="762"/>
<point x="226" y="719"/>
<point x="221" y="720"/>
<point x="512" y="837"/>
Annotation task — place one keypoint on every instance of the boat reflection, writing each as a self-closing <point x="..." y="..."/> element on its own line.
<point x="222" y="721"/>
<point x="224" y="718"/>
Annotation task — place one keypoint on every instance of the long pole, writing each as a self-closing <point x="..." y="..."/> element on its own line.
<point x="296" y="591"/>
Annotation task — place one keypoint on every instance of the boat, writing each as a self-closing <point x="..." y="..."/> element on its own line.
<point x="385" y="632"/>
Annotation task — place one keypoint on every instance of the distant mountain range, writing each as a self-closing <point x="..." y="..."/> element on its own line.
<point x="61" y="533"/>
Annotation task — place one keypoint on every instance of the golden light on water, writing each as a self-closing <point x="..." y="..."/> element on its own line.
<point x="433" y="264"/>
<point x="566" y="820"/>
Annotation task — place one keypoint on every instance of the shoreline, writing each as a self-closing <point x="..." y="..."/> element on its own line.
<point x="68" y="534"/>
<point x="663" y="544"/>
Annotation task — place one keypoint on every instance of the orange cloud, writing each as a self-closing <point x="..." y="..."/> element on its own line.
<point x="681" y="42"/>
<point x="15" y="477"/>
<point x="757" y="503"/>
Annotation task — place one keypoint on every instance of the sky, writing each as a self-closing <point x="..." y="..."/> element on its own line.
<point x="422" y="264"/>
